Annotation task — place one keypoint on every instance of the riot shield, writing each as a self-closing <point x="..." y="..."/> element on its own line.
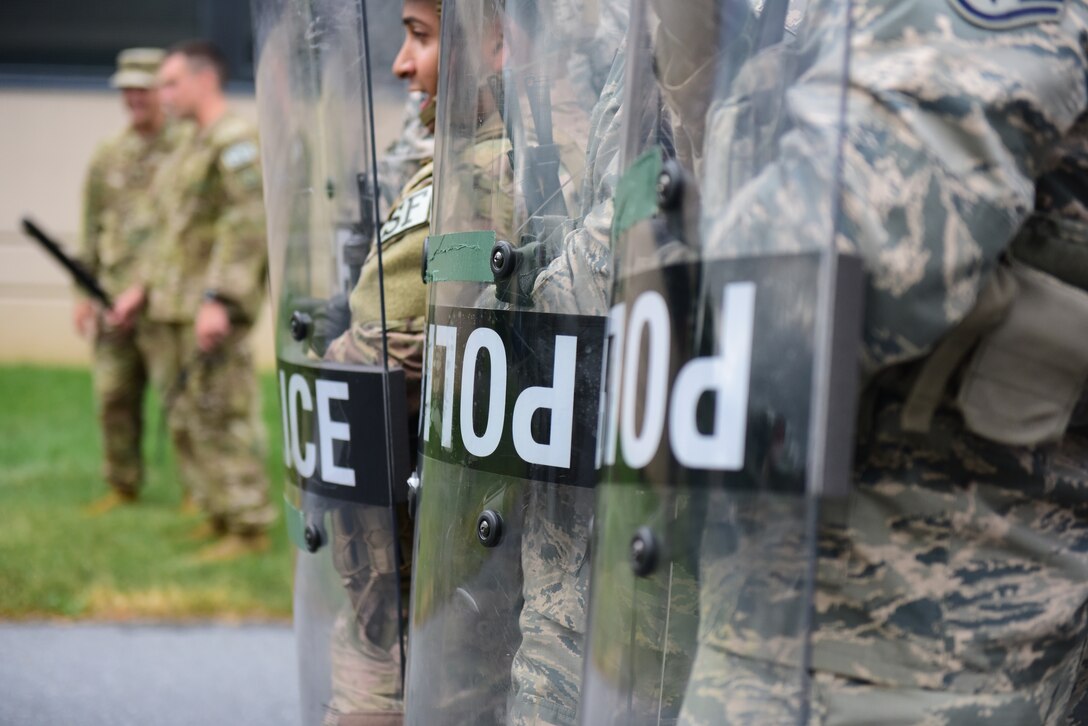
<point x="733" y="330"/>
<point x="344" y="414"/>
<point x="517" y="288"/>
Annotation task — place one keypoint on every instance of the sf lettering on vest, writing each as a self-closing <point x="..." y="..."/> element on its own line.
<point x="413" y="212"/>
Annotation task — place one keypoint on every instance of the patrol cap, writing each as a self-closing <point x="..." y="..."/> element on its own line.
<point x="136" y="67"/>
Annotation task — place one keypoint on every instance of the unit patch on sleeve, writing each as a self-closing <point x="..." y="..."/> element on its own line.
<point x="238" y="155"/>
<point x="414" y="211"/>
<point x="1005" y="14"/>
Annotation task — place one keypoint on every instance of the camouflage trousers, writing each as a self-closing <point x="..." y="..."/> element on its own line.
<point x="547" y="667"/>
<point x="365" y="650"/>
<point x="734" y="689"/>
<point x="951" y="588"/>
<point x="120" y="377"/>
<point x="365" y="645"/>
<point x="213" y="412"/>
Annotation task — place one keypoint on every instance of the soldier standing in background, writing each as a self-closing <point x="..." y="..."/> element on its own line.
<point x="119" y="175"/>
<point x="201" y="292"/>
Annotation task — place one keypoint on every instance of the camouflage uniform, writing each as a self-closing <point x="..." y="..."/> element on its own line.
<point x="366" y="675"/>
<point x="120" y="173"/>
<point x="213" y="242"/>
<point x="547" y="668"/>
<point x="951" y="583"/>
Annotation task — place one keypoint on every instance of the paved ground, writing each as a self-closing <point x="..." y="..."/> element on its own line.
<point x="147" y="675"/>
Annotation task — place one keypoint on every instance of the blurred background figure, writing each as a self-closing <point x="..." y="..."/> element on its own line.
<point x="118" y="177"/>
<point x="201" y="291"/>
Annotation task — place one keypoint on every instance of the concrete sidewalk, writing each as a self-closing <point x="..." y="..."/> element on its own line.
<point x="147" y="675"/>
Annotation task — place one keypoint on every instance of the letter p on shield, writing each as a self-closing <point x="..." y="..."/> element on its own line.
<point x="727" y="374"/>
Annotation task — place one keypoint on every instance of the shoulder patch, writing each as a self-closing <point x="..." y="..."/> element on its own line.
<point x="414" y="211"/>
<point x="238" y="155"/>
<point x="1005" y="14"/>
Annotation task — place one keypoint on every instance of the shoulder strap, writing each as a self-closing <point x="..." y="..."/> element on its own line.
<point x="932" y="381"/>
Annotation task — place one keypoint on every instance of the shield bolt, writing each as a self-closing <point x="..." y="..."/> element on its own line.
<point x="670" y="185"/>
<point x="644" y="550"/>
<point x="313" y="539"/>
<point x="503" y="260"/>
<point x="489" y="528"/>
<point x="300" y="325"/>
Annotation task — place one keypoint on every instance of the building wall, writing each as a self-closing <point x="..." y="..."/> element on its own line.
<point x="47" y="137"/>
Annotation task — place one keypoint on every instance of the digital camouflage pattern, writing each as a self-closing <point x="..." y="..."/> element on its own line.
<point x="951" y="582"/>
<point x="212" y="225"/>
<point x="366" y="662"/>
<point x="120" y="376"/>
<point x="546" y="671"/>
<point x="119" y="175"/>
<point x="117" y="184"/>
<point x="206" y="210"/>
<point x="215" y="424"/>
<point x="479" y="193"/>
<point x="593" y="30"/>
<point x="555" y="562"/>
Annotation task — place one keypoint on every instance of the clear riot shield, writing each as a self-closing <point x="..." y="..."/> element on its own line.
<point x="517" y="284"/>
<point x="732" y="344"/>
<point x="345" y="422"/>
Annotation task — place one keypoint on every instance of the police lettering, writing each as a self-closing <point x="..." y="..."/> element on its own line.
<point x="643" y="400"/>
<point x="297" y="401"/>
<point x="481" y="438"/>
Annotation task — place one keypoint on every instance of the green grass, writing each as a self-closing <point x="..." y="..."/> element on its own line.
<point x="136" y="562"/>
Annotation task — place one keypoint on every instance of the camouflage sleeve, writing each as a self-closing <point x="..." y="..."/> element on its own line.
<point x="404" y="340"/>
<point x="945" y="145"/>
<point x="579" y="279"/>
<point x="947" y="125"/>
<point x="93" y="202"/>
<point x="142" y="232"/>
<point x="239" y="258"/>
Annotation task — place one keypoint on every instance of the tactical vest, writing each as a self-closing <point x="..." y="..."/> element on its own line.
<point x="1015" y="367"/>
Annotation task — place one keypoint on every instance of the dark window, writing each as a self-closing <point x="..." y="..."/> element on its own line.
<point x="76" y="41"/>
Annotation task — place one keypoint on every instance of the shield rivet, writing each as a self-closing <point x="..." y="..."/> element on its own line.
<point x="644" y="551"/>
<point x="300" y="325"/>
<point x="313" y="539"/>
<point x="489" y="528"/>
<point x="670" y="185"/>
<point x="503" y="260"/>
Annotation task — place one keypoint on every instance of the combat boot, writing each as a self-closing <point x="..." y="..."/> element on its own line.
<point x="188" y="506"/>
<point x="234" y="546"/>
<point x="208" y="529"/>
<point x="108" y="503"/>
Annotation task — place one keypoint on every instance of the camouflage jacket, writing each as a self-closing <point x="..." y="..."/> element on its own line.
<point x="579" y="279"/>
<point x="957" y="562"/>
<point x="209" y="207"/>
<point x="119" y="177"/>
